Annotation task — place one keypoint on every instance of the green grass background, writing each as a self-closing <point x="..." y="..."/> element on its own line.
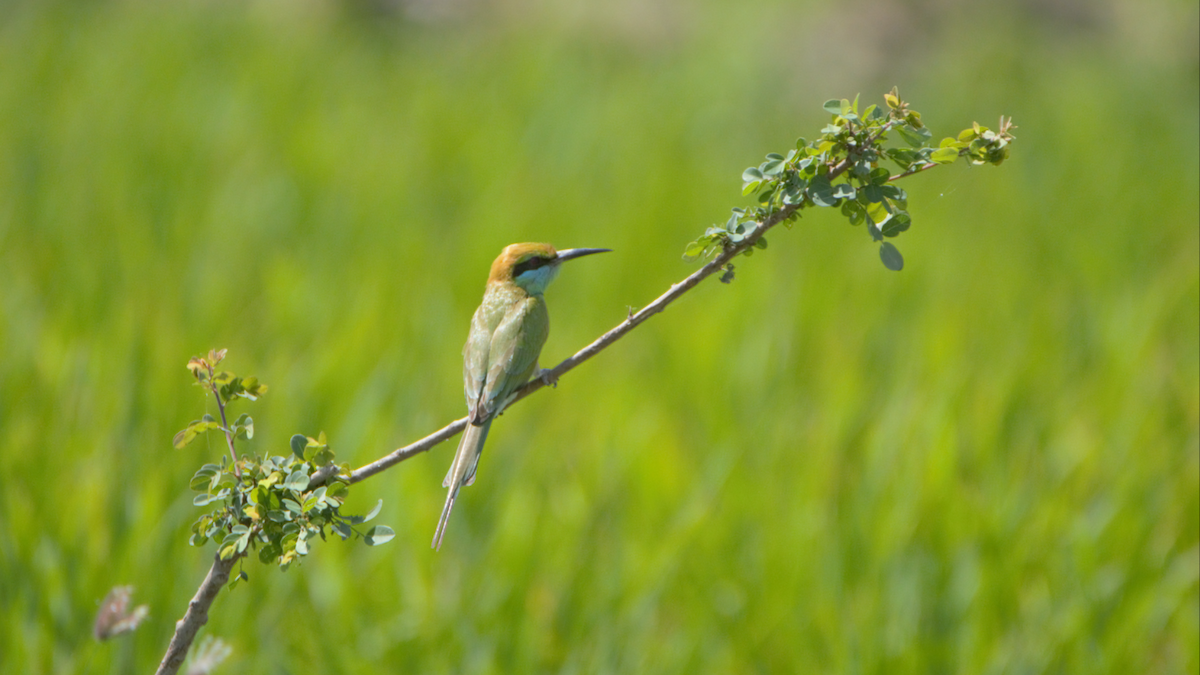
<point x="987" y="463"/>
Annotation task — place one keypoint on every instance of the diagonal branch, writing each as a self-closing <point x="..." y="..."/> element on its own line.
<point x="600" y="344"/>
<point x="196" y="615"/>
<point x="730" y="252"/>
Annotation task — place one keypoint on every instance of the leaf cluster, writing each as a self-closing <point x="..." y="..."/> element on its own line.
<point x="841" y="168"/>
<point x="225" y="384"/>
<point x="269" y="504"/>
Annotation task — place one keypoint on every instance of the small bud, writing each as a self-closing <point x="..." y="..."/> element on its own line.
<point x="196" y="365"/>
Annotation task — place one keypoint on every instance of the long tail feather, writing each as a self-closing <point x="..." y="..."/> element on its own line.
<point x="461" y="473"/>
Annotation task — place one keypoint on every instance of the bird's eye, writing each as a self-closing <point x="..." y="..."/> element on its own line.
<point x="529" y="265"/>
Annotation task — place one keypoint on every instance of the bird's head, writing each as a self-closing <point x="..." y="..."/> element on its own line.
<point x="533" y="266"/>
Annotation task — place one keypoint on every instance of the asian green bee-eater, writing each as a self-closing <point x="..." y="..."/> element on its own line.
<point x="507" y="334"/>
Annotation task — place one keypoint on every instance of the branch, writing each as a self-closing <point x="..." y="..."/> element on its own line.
<point x="978" y="145"/>
<point x="600" y="344"/>
<point x="196" y="615"/>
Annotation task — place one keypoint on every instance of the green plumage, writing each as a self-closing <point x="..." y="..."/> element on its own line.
<point x="507" y="334"/>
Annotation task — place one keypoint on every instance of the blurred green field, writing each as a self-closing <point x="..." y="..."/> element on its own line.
<point x="987" y="463"/>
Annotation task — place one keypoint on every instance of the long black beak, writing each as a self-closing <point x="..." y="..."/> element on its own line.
<point x="569" y="253"/>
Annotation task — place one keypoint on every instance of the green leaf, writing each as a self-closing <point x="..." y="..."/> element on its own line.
<point x="203" y="478"/>
<point x="205" y="499"/>
<point x="337" y="491"/>
<point x="891" y="257"/>
<point x="896" y="224"/>
<point x="193" y="430"/>
<point x="878" y="212"/>
<point x="380" y="534"/>
<point x="915" y="137"/>
<point x="773" y="168"/>
<point x="245" y="425"/>
<point x="269" y="553"/>
<point x="342" y="528"/>
<point x="299" y="442"/>
<point x="833" y="106"/>
<point x="232" y="389"/>
<point x="752" y="174"/>
<point x="358" y="520"/>
<point x="843" y="191"/>
<point x="374" y="512"/>
<point x="794" y="194"/>
<point x="853" y="212"/>
<point x="315" y="446"/>
<point x="297" y="481"/>
<point x="905" y="157"/>
<point x="251" y="388"/>
<point x="944" y="155"/>
<point x="820" y="191"/>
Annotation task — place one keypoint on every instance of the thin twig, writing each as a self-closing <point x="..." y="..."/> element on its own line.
<point x="914" y="170"/>
<point x="397" y="456"/>
<point x="228" y="436"/>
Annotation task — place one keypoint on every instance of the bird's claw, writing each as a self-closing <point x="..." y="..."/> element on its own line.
<point x="547" y="376"/>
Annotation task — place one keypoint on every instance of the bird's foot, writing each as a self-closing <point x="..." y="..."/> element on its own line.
<point x="547" y="376"/>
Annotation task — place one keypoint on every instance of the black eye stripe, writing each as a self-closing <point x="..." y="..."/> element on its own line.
<point x="531" y="264"/>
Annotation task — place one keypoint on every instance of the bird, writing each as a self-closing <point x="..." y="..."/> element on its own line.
<point x="501" y="353"/>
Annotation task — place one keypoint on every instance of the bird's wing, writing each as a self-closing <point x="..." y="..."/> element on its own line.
<point x="475" y="360"/>
<point x="514" y="351"/>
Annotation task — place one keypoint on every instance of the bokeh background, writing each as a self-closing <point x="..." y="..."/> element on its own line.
<point x="986" y="463"/>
